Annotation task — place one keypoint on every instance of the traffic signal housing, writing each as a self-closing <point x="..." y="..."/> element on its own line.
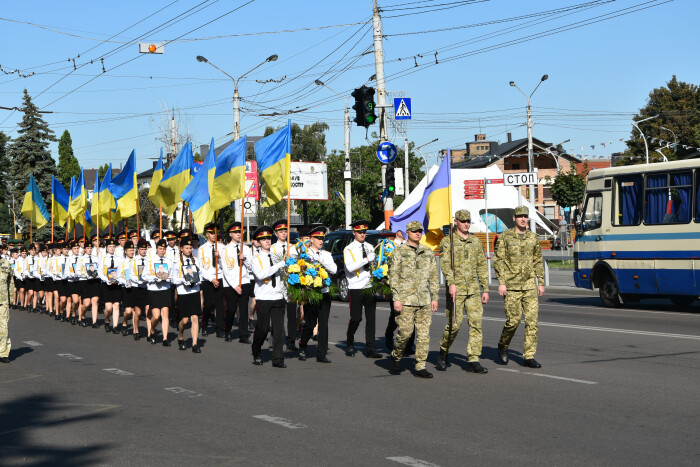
<point x="390" y="181"/>
<point x="364" y="106"/>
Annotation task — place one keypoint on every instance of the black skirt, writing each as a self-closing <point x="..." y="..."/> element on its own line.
<point x="74" y="287"/>
<point x="140" y="297"/>
<point x="111" y="293"/>
<point x="160" y="298"/>
<point x="90" y="288"/>
<point x="32" y="284"/>
<point x="49" y="285"/>
<point x="128" y="297"/>
<point x="61" y="288"/>
<point x="189" y="305"/>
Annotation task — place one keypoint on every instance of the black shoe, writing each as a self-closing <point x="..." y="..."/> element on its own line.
<point x="302" y="355"/>
<point x="181" y="344"/>
<point x="62" y="319"/>
<point x="95" y="325"/>
<point x="166" y="343"/>
<point x="502" y="355"/>
<point x="204" y="332"/>
<point x="4" y="360"/>
<point x="279" y="364"/>
<point x="475" y="367"/>
<point x="82" y="324"/>
<point x="220" y="335"/>
<point x="292" y="348"/>
<point x="442" y="361"/>
<point x="532" y="363"/>
<point x="57" y="317"/>
<point x="151" y="339"/>
<point x="74" y="321"/>
<point x="371" y="353"/>
<point x="196" y="349"/>
<point x="323" y="359"/>
<point x="251" y="326"/>
<point x="228" y="337"/>
<point x="350" y="351"/>
<point x="245" y="340"/>
<point x="108" y="328"/>
<point x="257" y="361"/>
<point x="424" y="373"/>
<point x="395" y="366"/>
<point x="125" y="331"/>
<point x="314" y="338"/>
<point x="137" y="336"/>
<point x="116" y="330"/>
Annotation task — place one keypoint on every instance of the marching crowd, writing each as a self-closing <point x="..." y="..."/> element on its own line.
<point x="175" y="281"/>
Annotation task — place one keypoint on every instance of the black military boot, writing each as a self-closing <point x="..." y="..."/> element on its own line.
<point x="395" y="366"/>
<point x="502" y="355"/>
<point x="475" y="367"/>
<point x="442" y="361"/>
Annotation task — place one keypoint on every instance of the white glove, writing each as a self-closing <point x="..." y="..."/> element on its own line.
<point x="188" y="284"/>
<point x="370" y="256"/>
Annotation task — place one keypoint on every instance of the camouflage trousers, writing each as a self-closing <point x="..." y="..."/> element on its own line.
<point x="5" y="343"/>
<point x="410" y="316"/>
<point x="472" y="305"/>
<point x="517" y="304"/>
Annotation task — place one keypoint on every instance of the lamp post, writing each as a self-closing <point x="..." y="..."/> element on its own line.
<point x="530" y="165"/>
<point x="555" y="157"/>
<point x="236" y="97"/>
<point x="347" y="175"/>
<point x="425" y="160"/>
<point x="646" y="146"/>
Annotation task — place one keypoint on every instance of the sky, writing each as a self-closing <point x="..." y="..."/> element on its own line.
<point x="602" y="57"/>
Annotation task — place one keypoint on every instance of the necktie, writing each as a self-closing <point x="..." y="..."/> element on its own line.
<point x="284" y="249"/>
<point x="274" y="279"/>
<point x="364" y="252"/>
<point x="112" y="263"/>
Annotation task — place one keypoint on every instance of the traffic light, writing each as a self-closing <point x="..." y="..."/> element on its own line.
<point x="364" y="106"/>
<point x="390" y="181"/>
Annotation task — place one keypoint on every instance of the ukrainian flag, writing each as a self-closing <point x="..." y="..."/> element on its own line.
<point x="59" y="202"/>
<point x="105" y="199"/>
<point x="33" y="207"/>
<point x="95" y="207"/>
<point x="229" y="176"/>
<point x="78" y="197"/>
<point x="175" y="179"/>
<point x="153" y="194"/>
<point x="124" y="189"/>
<point x="434" y="210"/>
<point x="273" y="154"/>
<point x="197" y="191"/>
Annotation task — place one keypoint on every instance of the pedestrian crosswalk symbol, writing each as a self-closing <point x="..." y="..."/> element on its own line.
<point x="402" y="108"/>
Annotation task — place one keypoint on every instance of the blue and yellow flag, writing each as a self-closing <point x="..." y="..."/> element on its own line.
<point x="197" y="191"/>
<point x="124" y="189"/>
<point x="175" y="179"/>
<point x="33" y="207"/>
<point x="78" y="198"/>
<point x="273" y="154"/>
<point x="153" y="193"/>
<point x="95" y="207"/>
<point x="105" y="199"/>
<point x="229" y="176"/>
<point x="433" y="210"/>
<point x="59" y="202"/>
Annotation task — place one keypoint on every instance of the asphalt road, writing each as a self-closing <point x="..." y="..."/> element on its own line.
<point x="617" y="387"/>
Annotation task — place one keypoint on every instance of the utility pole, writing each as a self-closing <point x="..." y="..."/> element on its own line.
<point x="173" y="138"/>
<point x="381" y="103"/>
<point x="348" y="170"/>
<point x="405" y="167"/>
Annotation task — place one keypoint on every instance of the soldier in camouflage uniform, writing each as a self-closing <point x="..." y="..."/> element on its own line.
<point x="518" y="264"/>
<point x="7" y="290"/>
<point x="464" y="291"/>
<point x="414" y="285"/>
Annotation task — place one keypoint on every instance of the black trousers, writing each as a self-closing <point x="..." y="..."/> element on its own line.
<point x="236" y="301"/>
<point x="269" y="310"/>
<point x="391" y="327"/>
<point x="313" y="313"/>
<point x="358" y="300"/>
<point x="291" y="323"/>
<point x="213" y="298"/>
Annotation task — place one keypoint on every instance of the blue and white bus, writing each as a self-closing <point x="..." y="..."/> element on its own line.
<point x="639" y="233"/>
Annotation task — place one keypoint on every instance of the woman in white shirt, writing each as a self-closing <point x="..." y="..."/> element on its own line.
<point x="111" y="292"/>
<point x="90" y="291"/>
<point x="157" y="275"/>
<point x="186" y="277"/>
<point x="124" y="277"/>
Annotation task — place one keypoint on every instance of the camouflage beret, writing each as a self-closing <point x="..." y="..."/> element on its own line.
<point x="414" y="226"/>
<point x="463" y="215"/>
<point x="522" y="211"/>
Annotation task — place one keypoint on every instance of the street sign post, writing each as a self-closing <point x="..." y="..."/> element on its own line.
<point x="386" y="152"/>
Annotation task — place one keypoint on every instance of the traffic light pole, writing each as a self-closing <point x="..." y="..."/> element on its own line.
<point x="381" y="103"/>
<point x="348" y="171"/>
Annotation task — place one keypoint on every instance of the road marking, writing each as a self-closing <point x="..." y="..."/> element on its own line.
<point x="69" y="356"/>
<point x="33" y="343"/>
<point x="280" y="421"/>
<point x="412" y="462"/>
<point x="582" y="381"/>
<point x="117" y="371"/>
<point x="179" y="390"/>
<point x="20" y="377"/>
<point x="621" y="331"/>
<point x="619" y="312"/>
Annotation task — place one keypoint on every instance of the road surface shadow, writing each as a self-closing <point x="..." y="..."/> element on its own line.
<point x="16" y="353"/>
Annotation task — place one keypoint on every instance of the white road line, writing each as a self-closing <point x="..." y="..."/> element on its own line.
<point x="619" y="312"/>
<point x="179" y="390"/>
<point x="280" y="421"/>
<point x="69" y="356"/>
<point x="573" y="380"/>
<point x="405" y="460"/>
<point x="621" y="331"/>
<point x="117" y="371"/>
<point x="32" y="343"/>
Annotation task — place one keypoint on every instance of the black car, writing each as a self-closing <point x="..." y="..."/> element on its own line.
<point x="336" y="241"/>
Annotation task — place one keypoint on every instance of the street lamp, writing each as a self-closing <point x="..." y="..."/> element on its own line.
<point x="427" y="171"/>
<point x="348" y="172"/>
<point x="636" y="125"/>
<point x="236" y="97"/>
<point x="529" y="137"/>
<point x="556" y="157"/>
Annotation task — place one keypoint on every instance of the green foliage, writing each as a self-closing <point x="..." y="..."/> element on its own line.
<point x="198" y="157"/>
<point x="676" y="105"/>
<point x="68" y="165"/>
<point x="148" y="214"/>
<point x="568" y="187"/>
<point x="29" y="154"/>
<point x="6" y="222"/>
<point x="101" y="171"/>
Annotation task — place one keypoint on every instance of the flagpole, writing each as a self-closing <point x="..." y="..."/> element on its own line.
<point x="240" y="261"/>
<point x="110" y="222"/>
<point x="160" y="218"/>
<point x="138" y="227"/>
<point x="289" y="183"/>
<point x="30" y="231"/>
<point x="182" y="215"/>
<point x="84" y="223"/>
<point x="52" y="223"/>
<point x="189" y="215"/>
<point x="215" y="256"/>
<point x="452" y="244"/>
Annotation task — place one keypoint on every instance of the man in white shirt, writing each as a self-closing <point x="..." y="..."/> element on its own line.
<point x="121" y="241"/>
<point x="279" y="249"/>
<point x="357" y="257"/>
<point x="236" y="283"/>
<point x="172" y="250"/>
<point x="209" y="256"/>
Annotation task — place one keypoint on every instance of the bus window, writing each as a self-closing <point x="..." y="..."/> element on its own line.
<point x="668" y="198"/>
<point x="681" y="197"/>
<point x="629" y="200"/>
<point x="697" y="196"/>
<point x="592" y="213"/>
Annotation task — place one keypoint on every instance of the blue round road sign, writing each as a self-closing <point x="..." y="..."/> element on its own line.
<point x="386" y="152"/>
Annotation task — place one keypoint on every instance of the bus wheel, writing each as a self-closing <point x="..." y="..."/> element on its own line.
<point x="682" y="300"/>
<point x="609" y="293"/>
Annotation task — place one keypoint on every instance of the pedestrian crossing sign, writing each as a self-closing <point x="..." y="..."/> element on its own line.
<point x="402" y="108"/>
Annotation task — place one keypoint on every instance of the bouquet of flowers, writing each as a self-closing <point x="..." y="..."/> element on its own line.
<point x="380" y="269"/>
<point x="305" y="278"/>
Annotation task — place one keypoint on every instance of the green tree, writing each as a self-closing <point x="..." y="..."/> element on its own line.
<point x="101" y="171"/>
<point x="198" y="157"/>
<point x="148" y="214"/>
<point x="568" y="188"/>
<point x="6" y="223"/>
<point x="29" y="154"/>
<point x="676" y="107"/>
<point x="68" y="165"/>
